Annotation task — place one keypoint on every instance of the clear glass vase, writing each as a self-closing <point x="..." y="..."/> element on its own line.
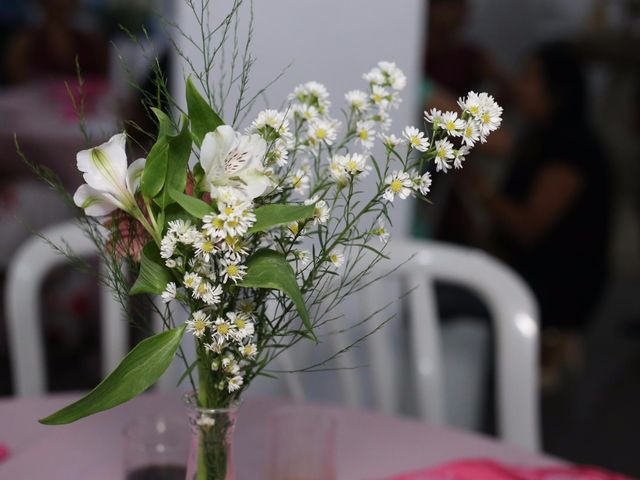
<point x="210" y="450"/>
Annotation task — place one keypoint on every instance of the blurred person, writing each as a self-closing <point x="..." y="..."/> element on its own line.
<point x="551" y="216"/>
<point x="51" y="48"/>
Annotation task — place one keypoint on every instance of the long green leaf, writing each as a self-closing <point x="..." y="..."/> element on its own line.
<point x="192" y="205"/>
<point x="270" y="269"/>
<point x="165" y="127"/>
<point x="155" y="169"/>
<point x="136" y="372"/>
<point x="153" y="276"/>
<point x="273" y="215"/>
<point x="177" y="164"/>
<point x="203" y="118"/>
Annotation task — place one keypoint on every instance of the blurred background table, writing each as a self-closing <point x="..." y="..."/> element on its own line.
<point x="368" y="445"/>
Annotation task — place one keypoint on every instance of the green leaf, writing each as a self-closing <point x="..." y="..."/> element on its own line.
<point x="273" y="215"/>
<point x="153" y="276"/>
<point x="203" y="118"/>
<point x="192" y="205"/>
<point x="165" y="127"/>
<point x="155" y="168"/>
<point x="270" y="269"/>
<point x="177" y="164"/>
<point x="136" y="372"/>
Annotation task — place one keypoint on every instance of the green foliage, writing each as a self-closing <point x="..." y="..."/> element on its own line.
<point x="177" y="164"/>
<point x="153" y="276"/>
<point x="194" y="206"/>
<point x="203" y="118"/>
<point x="275" y="215"/>
<point x="136" y="372"/>
<point x="270" y="269"/>
<point x="155" y="169"/>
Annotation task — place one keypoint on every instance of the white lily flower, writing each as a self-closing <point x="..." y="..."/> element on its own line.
<point x="110" y="184"/>
<point x="230" y="159"/>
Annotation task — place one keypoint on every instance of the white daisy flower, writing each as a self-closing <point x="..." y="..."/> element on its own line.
<point x="243" y="327"/>
<point x="221" y="331"/>
<point x="337" y="258"/>
<point x="353" y="163"/>
<point x="382" y="232"/>
<point x="381" y="97"/>
<point x="459" y="156"/>
<point x="321" y="211"/>
<point x="390" y="141"/>
<point x="470" y="133"/>
<point x="168" y="245"/>
<point x="247" y="306"/>
<point x="294" y="230"/>
<point x="305" y="112"/>
<point x="198" y="323"/>
<point x="234" y="383"/>
<point x="365" y="133"/>
<point x="179" y="227"/>
<point x="303" y="257"/>
<point x="250" y="350"/>
<point x="471" y="104"/>
<point x="338" y="171"/>
<point x="434" y="117"/>
<point x="357" y="100"/>
<point x="268" y="122"/>
<point x="314" y="94"/>
<point x="205" y="249"/>
<point x="400" y="184"/>
<point x="191" y="280"/>
<point x="382" y="118"/>
<point x="299" y="181"/>
<point x="422" y="183"/>
<point x="278" y="154"/>
<point x="169" y="292"/>
<point x="322" y="130"/>
<point x="232" y="271"/>
<point x="444" y="155"/>
<point x="394" y="77"/>
<point x="416" y="139"/>
<point x="452" y="124"/>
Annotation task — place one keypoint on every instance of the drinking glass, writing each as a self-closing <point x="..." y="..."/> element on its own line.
<point x="156" y="448"/>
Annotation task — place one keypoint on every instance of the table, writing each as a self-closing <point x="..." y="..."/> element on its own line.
<point x="368" y="445"/>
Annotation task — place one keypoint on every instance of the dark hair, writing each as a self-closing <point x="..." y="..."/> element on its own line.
<point x="564" y="78"/>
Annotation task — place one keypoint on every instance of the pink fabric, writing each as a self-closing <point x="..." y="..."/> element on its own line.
<point x="489" y="470"/>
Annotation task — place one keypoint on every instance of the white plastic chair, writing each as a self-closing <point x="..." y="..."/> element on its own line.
<point x="25" y="275"/>
<point x="515" y="325"/>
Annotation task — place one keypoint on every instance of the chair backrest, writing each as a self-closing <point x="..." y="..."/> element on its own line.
<point x="416" y="265"/>
<point x="25" y="275"/>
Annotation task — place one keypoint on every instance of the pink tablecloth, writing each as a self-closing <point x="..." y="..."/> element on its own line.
<point x="368" y="445"/>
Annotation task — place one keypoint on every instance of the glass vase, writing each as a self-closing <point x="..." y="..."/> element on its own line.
<point x="211" y="446"/>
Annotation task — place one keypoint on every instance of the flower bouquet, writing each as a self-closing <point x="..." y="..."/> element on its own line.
<point x="258" y="232"/>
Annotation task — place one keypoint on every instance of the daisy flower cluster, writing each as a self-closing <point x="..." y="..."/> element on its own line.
<point x="447" y="140"/>
<point x="208" y="259"/>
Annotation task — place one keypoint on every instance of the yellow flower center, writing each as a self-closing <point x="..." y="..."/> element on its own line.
<point x="199" y="325"/>
<point x="232" y="270"/>
<point x="202" y="288"/>
<point x="228" y="210"/>
<point x="218" y="223"/>
<point x="294" y="228"/>
<point x="207" y="247"/>
<point x="352" y="165"/>
<point x="223" y="329"/>
<point x="364" y="135"/>
<point x="486" y="118"/>
<point x="396" y="186"/>
<point x="240" y="324"/>
<point x="321" y="133"/>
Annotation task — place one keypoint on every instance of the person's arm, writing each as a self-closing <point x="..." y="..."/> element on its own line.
<point x="554" y="192"/>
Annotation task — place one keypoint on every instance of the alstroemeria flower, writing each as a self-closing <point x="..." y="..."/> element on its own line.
<point x="110" y="184"/>
<point x="230" y="159"/>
